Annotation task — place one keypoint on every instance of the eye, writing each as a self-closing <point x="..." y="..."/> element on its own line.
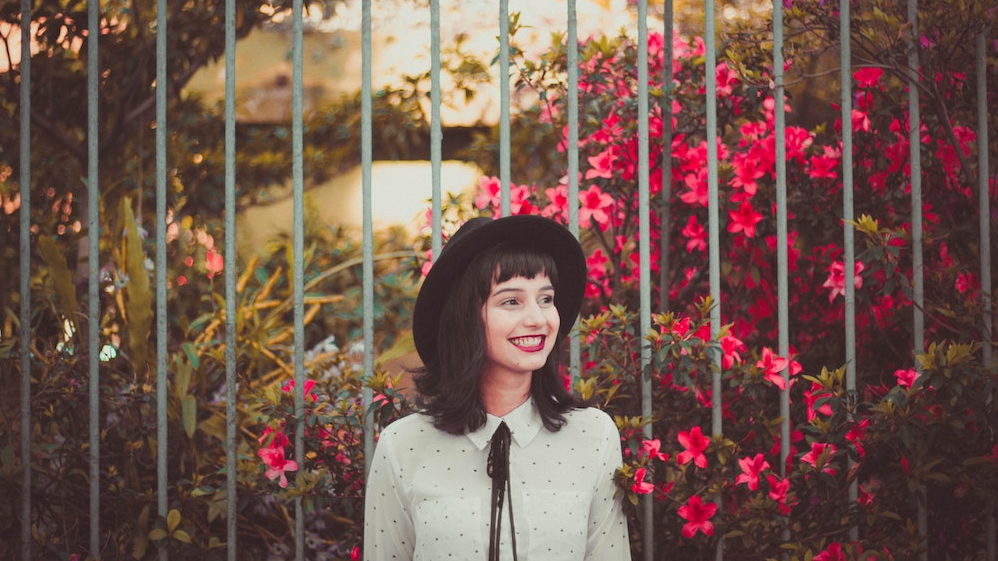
<point x="547" y="299"/>
<point x="509" y="302"/>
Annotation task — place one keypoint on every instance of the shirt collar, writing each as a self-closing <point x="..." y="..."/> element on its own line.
<point x="524" y="422"/>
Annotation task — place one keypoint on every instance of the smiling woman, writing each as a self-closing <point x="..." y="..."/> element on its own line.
<point x="497" y="426"/>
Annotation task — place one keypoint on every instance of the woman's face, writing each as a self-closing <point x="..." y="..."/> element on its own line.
<point x="521" y="324"/>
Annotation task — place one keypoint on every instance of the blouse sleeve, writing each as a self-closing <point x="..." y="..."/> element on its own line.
<point x="607" y="539"/>
<point x="388" y="530"/>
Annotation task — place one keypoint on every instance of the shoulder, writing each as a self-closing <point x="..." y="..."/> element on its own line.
<point x="408" y="428"/>
<point x="590" y="419"/>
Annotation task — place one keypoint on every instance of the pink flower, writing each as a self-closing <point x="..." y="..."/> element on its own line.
<point x="355" y="553"/>
<point x="558" y="209"/>
<point x="595" y="206"/>
<point x="837" y="278"/>
<point x="277" y="464"/>
<point x="819" y="457"/>
<point x="698" y="515"/>
<point x="856" y="435"/>
<point x="289" y="387"/>
<point x="811" y="397"/>
<point x="699" y="190"/>
<point x="832" y="553"/>
<point x="640" y="486"/>
<point x="213" y="262"/>
<point x="860" y="121"/>
<point x="730" y="345"/>
<point x="602" y="164"/>
<point x="651" y="449"/>
<point x="744" y="220"/>
<point x="751" y="468"/>
<point x="747" y="169"/>
<point x="695" y="443"/>
<point x="488" y="193"/>
<point x="906" y="378"/>
<point x="778" y="489"/>
<point x="867" y="77"/>
<point x="773" y="366"/>
<point x="697" y="235"/>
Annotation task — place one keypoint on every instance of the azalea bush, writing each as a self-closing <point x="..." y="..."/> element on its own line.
<point x="918" y="430"/>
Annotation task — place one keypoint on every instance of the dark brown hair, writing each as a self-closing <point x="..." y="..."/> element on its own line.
<point x="449" y="385"/>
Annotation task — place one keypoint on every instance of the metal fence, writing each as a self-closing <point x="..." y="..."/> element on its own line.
<point x="502" y="18"/>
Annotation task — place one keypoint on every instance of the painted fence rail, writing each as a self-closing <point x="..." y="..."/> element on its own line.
<point x="653" y="296"/>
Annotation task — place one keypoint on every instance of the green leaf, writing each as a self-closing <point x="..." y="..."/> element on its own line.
<point x="189" y="416"/>
<point x="173" y="519"/>
<point x="182" y="536"/>
<point x="138" y="296"/>
<point x="157" y="534"/>
<point x="192" y="355"/>
<point x="62" y="278"/>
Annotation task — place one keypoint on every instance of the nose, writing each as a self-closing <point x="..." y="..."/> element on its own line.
<point x="534" y="315"/>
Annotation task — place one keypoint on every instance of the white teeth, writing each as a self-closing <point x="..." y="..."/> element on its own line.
<point x="527" y="341"/>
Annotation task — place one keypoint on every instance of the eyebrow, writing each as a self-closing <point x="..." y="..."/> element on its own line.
<point x="517" y="289"/>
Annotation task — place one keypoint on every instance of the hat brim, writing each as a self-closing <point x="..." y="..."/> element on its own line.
<point x="479" y="234"/>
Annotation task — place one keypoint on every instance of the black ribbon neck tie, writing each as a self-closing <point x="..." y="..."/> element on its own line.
<point x="498" y="470"/>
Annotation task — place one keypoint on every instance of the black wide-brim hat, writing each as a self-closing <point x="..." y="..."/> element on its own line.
<point x="478" y="234"/>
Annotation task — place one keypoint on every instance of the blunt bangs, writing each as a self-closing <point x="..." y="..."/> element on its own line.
<point x="507" y="262"/>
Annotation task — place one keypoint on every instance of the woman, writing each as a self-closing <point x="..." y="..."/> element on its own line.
<point x="502" y="462"/>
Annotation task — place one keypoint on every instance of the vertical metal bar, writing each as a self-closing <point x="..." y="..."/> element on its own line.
<point x="665" y="196"/>
<point x="644" y="251"/>
<point x="984" y="212"/>
<point x="712" y="207"/>
<point x="93" y="266"/>
<point x="24" y="188"/>
<point x="231" y="381"/>
<point x="849" y="246"/>
<point x="436" y="132"/>
<point x="710" y="72"/>
<point x="782" y="289"/>
<point x="298" y="258"/>
<point x="915" y="146"/>
<point x="162" y="474"/>
<point x="504" y="132"/>
<point x="368" y="241"/>
<point x="918" y="297"/>
<point x="572" y="53"/>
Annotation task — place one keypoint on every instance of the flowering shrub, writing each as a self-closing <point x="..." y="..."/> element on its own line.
<point x="919" y="427"/>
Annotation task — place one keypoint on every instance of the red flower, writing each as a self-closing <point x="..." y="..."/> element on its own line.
<point x="698" y="515"/>
<point x="602" y="164"/>
<point x="837" y="278"/>
<point x="744" y="220"/>
<point x="832" y="553"/>
<point x="773" y="366"/>
<point x="751" y="468"/>
<point x="778" y="489"/>
<point x="906" y="378"/>
<point x="697" y="235"/>
<point x="695" y="443"/>
<point x="819" y="457"/>
<point x="289" y="387"/>
<point x="730" y="345"/>
<point x="595" y="204"/>
<point x="641" y="486"/>
<point x="651" y="449"/>
<point x="867" y="77"/>
<point x="277" y="464"/>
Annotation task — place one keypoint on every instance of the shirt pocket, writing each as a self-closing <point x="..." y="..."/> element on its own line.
<point x="449" y="526"/>
<point x="557" y="524"/>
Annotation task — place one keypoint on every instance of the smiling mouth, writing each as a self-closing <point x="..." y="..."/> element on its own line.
<point x="529" y="343"/>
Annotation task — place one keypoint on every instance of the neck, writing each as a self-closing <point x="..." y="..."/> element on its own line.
<point x="502" y="394"/>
